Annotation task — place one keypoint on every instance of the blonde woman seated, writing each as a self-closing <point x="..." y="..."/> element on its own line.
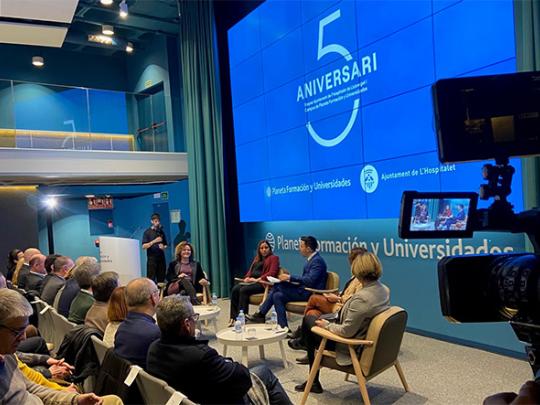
<point x="321" y="304"/>
<point x="355" y="316"/>
<point x="116" y="313"/>
<point x="185" y="276"/>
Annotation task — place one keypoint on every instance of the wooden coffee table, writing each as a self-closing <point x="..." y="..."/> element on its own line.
<point x="208" y="313"/>
<point x="263" y="335"/>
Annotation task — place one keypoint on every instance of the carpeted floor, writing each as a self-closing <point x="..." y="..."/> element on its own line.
<point x="437" y="372"/>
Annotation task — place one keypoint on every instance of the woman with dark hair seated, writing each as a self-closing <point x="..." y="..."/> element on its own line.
<point x="355" y="316"/>
<point x="14" y="257"/>
<point x="264" y="264"/>
<point x="185" y="276"/>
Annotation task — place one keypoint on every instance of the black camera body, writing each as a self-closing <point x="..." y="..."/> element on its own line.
<point x="478" y="118"/>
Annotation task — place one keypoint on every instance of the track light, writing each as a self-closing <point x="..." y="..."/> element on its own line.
<point x="50" y="202"/>
<point x="107" y="30"/>
<point x="123" y="9"/>
<point x="106" y="2"/>
<point x="129" y="47"/>
<point x="38" y="61"/>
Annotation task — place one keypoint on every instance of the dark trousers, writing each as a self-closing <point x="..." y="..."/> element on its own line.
<point x="279" y="295"/>
<point x="240" y="297"/>
<point x="35" y="344"/>
<point x="276" y="393"/>
<point x="312" y="341"/>
<point x="155" y="268"/>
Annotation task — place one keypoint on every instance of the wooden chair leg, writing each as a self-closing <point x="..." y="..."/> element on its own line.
<point x="402" y="376"/>
<point x="360" y="376"/>
<point x="347" y="377"/>
<point x="314" y="368"/>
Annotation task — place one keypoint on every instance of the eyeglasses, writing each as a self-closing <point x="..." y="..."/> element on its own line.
<point x="16" y="332"/>
<point x="194" y="317"/>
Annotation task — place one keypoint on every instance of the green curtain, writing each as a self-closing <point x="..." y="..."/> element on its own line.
<point x="527" y="16"/>
<point x="204" y="141"/>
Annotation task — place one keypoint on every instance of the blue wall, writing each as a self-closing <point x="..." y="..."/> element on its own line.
<point x="411" y="274"/>
<point x="131" y="215"/>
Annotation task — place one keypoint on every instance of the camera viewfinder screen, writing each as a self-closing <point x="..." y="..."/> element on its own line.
<point x="440" y="214"/>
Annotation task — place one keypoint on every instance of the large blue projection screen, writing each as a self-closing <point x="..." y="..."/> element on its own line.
<point x="332" y="104"/>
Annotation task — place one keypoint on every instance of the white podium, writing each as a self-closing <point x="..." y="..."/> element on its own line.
<point x="121" y="255"/>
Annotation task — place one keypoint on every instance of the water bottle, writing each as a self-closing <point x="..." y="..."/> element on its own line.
<point x="238" y="326"/>
<point x="214" y="299"/>
<point x="242" y="319"/>
<point x="273" y="319"/>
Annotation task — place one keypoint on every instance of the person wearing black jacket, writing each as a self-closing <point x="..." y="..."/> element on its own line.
<point x="155" y="242"/>
<point x="185" y="275"/>
<point x="194" y="368"/>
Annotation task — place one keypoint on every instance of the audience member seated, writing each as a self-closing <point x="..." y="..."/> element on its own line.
<point x="327" y="304"/>
<point x="184" y="275"/>
<point x="354" y="317"/>
<point x="116" y="313"/>
<point x="49" y="268"/>
<point x="264" y="264"/>
<point x="38" y="378"/>
<point x="15" y="388"/>
<point x="194" y="368"/>
<point x="3" y="281"/>
<point x="56" y="279"/>
<point x="139" y="330"/>
<point x="84" y="299"/>
<point x="34" y="279"/>
<point x="45" y="364"/>
<point x="313" y="276"/>
<point x="15" y="260"/>
<point x="71" y="288"/>
<point x="20" y="277"/>
<point x="102" y="288"/>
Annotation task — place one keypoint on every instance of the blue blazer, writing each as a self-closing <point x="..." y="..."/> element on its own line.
<point x="314" y="274"/>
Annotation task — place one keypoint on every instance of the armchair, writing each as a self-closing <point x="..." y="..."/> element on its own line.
<point x="380" y="351"/>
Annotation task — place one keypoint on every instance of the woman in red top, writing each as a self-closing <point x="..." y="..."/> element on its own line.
<point x="264" y="264"/>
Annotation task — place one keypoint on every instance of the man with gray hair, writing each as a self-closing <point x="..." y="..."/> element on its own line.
<point x="15" y="388"/>
<point x="139" y="329"/>
<point x="67" y="294"/>
<point x="54" y="281"/>
<point x="195" y="369"/>
<point x="85" y="275"/>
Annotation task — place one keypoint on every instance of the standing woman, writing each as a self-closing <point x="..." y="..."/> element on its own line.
<point x="264" y="264"/>
<point x="185" y="275"/>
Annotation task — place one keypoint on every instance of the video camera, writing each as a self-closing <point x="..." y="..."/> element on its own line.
<point x="479" y="118"/>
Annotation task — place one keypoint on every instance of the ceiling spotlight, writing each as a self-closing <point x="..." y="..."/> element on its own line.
<point x="106" y="2"/>
<point x="107" y="30"/>
<point x="129" y="47"/>
<point x="38" y="61"/>
<point x="50" y="202"/>
<point x="101" y="39"/>
<point x="123" y="9"/>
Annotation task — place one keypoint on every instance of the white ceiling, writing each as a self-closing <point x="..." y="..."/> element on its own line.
<point x="28" y="33"/>
<point x="42" y="10"/>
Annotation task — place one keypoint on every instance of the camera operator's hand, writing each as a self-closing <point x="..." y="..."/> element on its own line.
<point x="529" y="393"/>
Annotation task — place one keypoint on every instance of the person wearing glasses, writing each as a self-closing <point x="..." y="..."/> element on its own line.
<point x="185" y="275"/>
<point x="15" y="388"/>
<point x="139" y="329"/>
<point x="197" y="370"/>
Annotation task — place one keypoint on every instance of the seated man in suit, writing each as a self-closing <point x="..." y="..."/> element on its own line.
<point x="66" y="294"/>
<point x="313" y="276"/>
<point x="19" y="278"/>
<point x="194" y="368"/>
<point x="34" y="280"/>
<point x="84" y="299"/>
<point x="139" y="329"/>
<point x="56" y="279"/>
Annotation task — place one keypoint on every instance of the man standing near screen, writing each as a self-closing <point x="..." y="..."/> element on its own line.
<point x="155" y="242"/>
